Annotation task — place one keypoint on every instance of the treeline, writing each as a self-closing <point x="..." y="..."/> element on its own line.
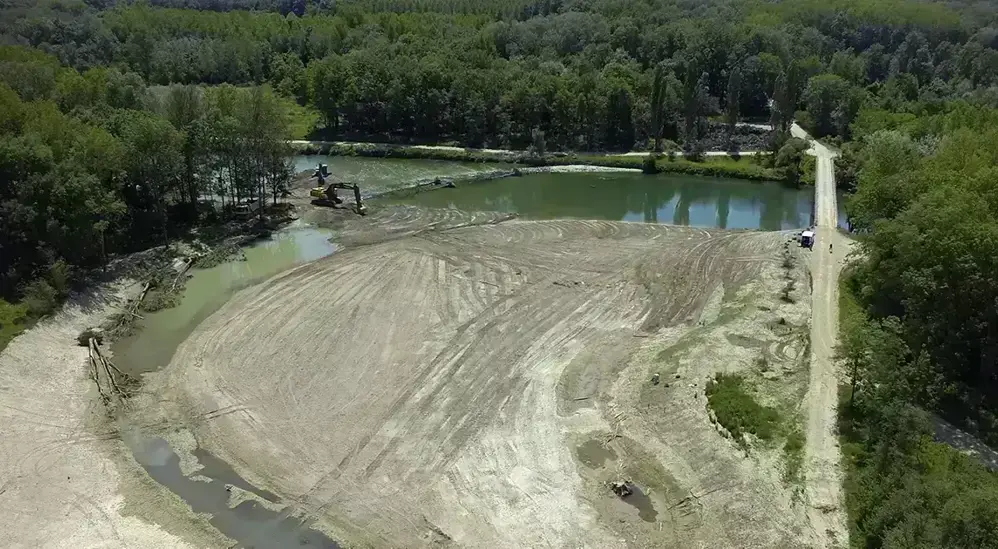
<point x="902" y="489"/>
<point x="928" y="193"/>
<point x="922" y="335"/>
<point x="583" y="73"/>
<point x="96" y="163"/>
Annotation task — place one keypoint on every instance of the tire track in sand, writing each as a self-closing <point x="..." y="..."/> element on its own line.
<point x="418" y="375"/>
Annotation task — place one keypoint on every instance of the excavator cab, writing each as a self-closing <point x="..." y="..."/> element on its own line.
<point x="325" y="195"/>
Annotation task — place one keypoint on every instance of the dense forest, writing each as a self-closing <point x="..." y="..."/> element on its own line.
<point x="920" y="332"/>
<point x="121" y="121"/>
<point x="97" y="163"/>
<point x="584" y="73"/>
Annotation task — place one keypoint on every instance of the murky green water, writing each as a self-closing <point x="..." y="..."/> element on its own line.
<point x="673" y="199"/>
<point x="383" y="174"/>
<point x="158" y="335"/>
<point x="152" y="346"/>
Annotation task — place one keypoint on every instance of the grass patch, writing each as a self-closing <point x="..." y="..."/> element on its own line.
<point x="711" y="166"/>
<point x="737" y="411"/>
<point x="850" y="310"/>
<point x="302" y="121"/>
<point x="14" y="319"/>
<point x="721" y="166"/>
<point x="793" y="458"/>
<point x="39" y="298"/>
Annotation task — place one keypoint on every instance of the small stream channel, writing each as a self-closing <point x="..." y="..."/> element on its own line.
<point x="151" y="347"/>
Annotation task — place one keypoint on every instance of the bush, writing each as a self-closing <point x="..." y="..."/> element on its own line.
<point x="158" y="299"/>
<point x="40" y="298"/>
<point x="808" y="167"/>
<point x="648" y="165"/>
<point x="61" y="277"/>
<point x="737" y="411"/>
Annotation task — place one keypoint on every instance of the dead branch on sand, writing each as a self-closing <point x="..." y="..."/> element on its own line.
<point x="98" y="363"/>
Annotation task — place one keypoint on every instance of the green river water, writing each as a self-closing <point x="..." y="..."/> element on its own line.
<point x="664" y="198"/>
<point x="152" y="346"/>
<point x="384" y="174"/>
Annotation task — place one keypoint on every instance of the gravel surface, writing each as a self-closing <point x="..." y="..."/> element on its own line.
<point x="823" y="469"/>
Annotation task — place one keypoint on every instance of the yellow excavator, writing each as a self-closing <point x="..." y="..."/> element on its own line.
<point x="325" y="194"/>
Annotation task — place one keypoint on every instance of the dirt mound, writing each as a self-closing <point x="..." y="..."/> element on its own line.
<point x="431" y="387"/>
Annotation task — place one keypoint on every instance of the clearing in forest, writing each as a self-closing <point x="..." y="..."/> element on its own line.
<point x="481" y="386"/>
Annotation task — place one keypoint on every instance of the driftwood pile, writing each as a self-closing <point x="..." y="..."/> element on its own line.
<point x="108" y="378"/>
<point x="112" y="383"/>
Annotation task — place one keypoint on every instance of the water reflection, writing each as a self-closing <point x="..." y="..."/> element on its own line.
<point x="679" y="200"/>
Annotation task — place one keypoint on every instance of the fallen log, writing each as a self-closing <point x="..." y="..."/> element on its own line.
<point x="182" y="272"/>
<point x="138" y="300"/>
<point x="95" y="354"/>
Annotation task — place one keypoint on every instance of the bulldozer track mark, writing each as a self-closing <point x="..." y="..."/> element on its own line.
<point x="418" y="376"/>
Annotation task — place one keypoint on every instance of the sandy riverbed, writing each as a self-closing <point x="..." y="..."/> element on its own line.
<point x="66" y="478"/>
<point x="436" y="388"/>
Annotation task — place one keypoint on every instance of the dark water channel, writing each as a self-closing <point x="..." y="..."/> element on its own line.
<point x="252" y="525"/>
<point x="664" y="198"/>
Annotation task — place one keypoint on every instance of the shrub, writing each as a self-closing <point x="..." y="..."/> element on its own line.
<point x="40" y="297"/>
<point x="648" y="165"/>
<point x="737" y="411"/>
<point x="61" y="277"/>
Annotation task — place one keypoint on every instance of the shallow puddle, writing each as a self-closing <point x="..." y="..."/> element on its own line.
<point x="643" y="503"/>
<point x="593" y="454"/>
<point x="249" y="523"/>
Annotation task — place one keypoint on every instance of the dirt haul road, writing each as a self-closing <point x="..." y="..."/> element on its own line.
<point x="824" y="477"/>
<point x="437" y="388"/>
